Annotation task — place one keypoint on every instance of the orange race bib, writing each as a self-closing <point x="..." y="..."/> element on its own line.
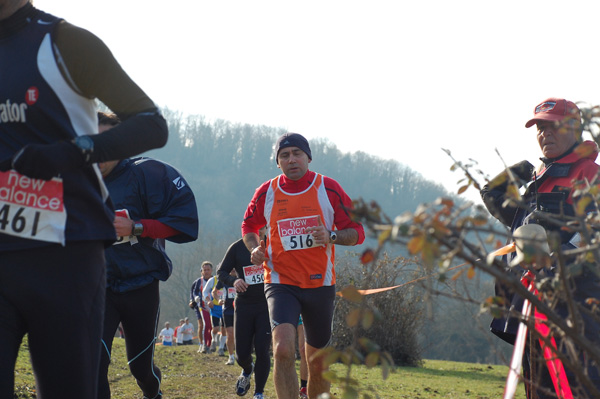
<point x="32" y="208"/>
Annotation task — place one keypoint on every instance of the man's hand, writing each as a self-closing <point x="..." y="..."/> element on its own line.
<point x="209" y="302"/>
<point x="123" y="226"/>
<point x="240" y="285"/>
<point x="319" y="233"/>
<point x="259" y="254"/>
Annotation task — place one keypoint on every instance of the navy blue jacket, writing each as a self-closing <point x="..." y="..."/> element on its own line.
<point x="33" y="100"/>
<point x="148" y="189"/>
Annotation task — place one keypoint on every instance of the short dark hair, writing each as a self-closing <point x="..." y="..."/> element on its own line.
<point x="108" y="118"/>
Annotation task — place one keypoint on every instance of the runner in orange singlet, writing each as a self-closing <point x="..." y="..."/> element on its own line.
<point x="306" y="214"/>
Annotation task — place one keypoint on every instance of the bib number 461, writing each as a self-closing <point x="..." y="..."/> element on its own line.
<point x="17" y="220"/>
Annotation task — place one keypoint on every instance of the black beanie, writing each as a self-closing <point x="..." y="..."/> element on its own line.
<point x="293" y="140"/>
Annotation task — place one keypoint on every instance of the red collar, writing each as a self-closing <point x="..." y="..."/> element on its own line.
<point x="586" y="150"/>
<point x="294" y="186"/>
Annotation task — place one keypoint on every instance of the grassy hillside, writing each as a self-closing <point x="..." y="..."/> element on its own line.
<point x="188" y="374"/>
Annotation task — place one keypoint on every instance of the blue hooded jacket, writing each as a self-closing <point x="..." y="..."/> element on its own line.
<point x="148" y="189"/>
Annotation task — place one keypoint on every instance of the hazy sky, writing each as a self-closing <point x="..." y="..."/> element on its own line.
<point x="396" y="79"/>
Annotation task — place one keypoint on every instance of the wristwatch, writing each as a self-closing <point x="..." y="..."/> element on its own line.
<point x="332" y="236"/>
<point x="85" y="144"/>
<point x="138" y="229"/>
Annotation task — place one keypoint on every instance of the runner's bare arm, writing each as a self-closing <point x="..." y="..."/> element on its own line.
<point x="256" y="247"/>
<point x="347" y="236"/>
<point x="322" y="236"/>
<point x="251" y="241"/>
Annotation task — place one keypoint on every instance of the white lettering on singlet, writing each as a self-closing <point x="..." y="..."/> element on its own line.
<point x="10" y="112"/>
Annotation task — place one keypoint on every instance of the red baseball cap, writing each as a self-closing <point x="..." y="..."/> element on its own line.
<point x="553" y="109"/>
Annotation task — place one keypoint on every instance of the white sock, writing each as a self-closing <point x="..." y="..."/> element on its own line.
<point x="223" y="341"/>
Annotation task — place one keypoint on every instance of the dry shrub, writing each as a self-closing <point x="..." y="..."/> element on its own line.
<point x="390" y="320"/>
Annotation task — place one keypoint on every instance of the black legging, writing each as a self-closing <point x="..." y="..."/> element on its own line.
<point x="251" y="326"/>
<point x="138" y="311"/>
<point x="55" y="295"/>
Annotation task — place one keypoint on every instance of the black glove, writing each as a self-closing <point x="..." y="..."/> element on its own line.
<point x="523" y="170"/>
<point x="44" y="161"/>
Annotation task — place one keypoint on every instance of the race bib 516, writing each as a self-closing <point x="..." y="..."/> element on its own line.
<point x="32" y="208"/>
<point x="293" y="232"/>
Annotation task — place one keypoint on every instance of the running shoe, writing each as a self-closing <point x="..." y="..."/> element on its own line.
<point x="243" y="383"/>
<point x="258" y="396"/>
<point x="221" y="352"/>
<point x="230" y="361"/>
<point x="201" y="349"/>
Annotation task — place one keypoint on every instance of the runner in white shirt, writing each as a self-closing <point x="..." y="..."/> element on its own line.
<point x="187" y="332"/>
<point x="166" y="334"/>
<point x="179" y="332"/>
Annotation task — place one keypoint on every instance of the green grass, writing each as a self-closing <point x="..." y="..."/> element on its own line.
<point x="188" y="374"/>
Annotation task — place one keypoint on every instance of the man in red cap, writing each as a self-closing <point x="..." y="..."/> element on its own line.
<point x="559" y="127"/>
<point x="567" y="159"/>
<point x="306" y="215"/>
